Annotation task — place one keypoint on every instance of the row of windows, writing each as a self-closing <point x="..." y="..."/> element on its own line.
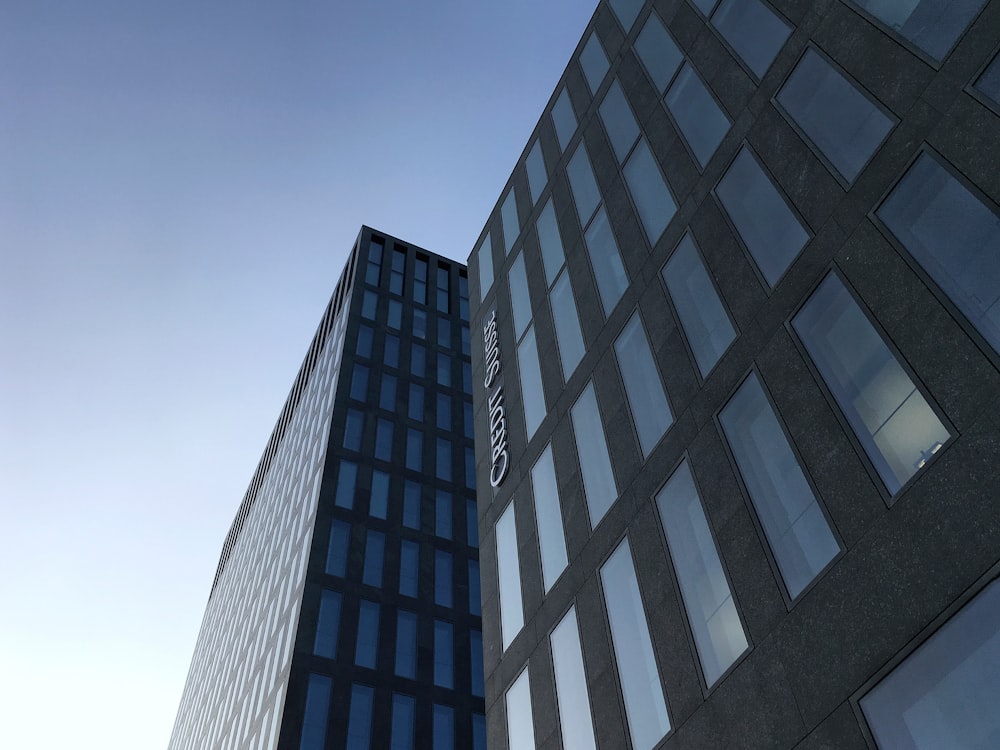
<point x="397" y="272"/>
<point x="402" y="728"/>
<point x="442" y="366"/>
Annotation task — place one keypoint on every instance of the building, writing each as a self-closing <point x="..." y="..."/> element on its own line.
<point x="736" y="351"/>
<point x="345" y="608"/>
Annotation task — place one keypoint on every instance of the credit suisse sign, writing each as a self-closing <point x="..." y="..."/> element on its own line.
<point x="499" y="455"/>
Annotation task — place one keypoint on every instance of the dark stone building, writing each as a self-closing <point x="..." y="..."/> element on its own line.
<point x="736" y="353"/>
<point x="345" y="611"/>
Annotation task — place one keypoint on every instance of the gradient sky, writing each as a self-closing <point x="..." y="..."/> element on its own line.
<point x="179" y="185"/>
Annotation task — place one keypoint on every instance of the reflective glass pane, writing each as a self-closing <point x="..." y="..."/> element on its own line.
<point x="594" y="62"/>
<point x="379" y="505"/>
<point x="509" y="577"/>
<point x="478" y="732"/>
<point x="369" y="305"/>
<point x="753" y="30"/>
<point x="316" y="712"/>
<point x="364" y="347"/>
<point x="534" y="165"/>
<point x="442" y="455"/>
<point x="444" y="654"/>
<point x="653" y="199"/>
<point x="476" y="663"/>
<point x="796" y="529"/>
<point x="444" y="411"/>
<point x="955" y="238"/>
<point x="532" y="395"/>
<point x="471" y="524"/>
<point x="933" y="25"/>
<point x="387" y="392"/>
<point x="366" y="650"/>
<point x="374" y="555"/>
<point x="442" y="514"/>
<point x="550" y="242"/>
<point x="592" y="447"/>
<point x="609" y="271"/>
<point x="708" y="601"/>
<point x="336" y="554"/>
<point x="442" y="578"/>
<point x="989" y="81"/>
<point x="699" y="307"/>
<point x="645" y="704"/>
<point x="411" y="504"/>
<point x="564" y="119"/>
<point x="475" y="589"/>
<point x="626" y="11"/>
<point x="444" y="333"/>
<point x="548" y="518"/>
<point x="404" y="710"/>
<point x="890" y="417"/>
<point x="415" y="406"/>
<point x="443" y="369"/>
<point x="508" y="217"/>
<point x="390" y="356"/>
<point x="359" y="725"/>
<point x="566" y="322"/>
<point x="583" y="184"/>
<point x="520" y="724"/>
<point x="327" y="625"/>
<point x="520" y="302"/>
<point x="572" y="695"/>
<point x="353" y="428"/>
<point x="419" y="324"/>
<point x="414" y="450"/>
<point x="485" y="258"/>
<point x="418" y="360"/>
<point x="406" y="644"/>
<point x="395" y="317"/>
<point x="619" y="121"/>
<point x="705" y="6"/>
<point x="409" y="567"/>
<point x="768" y="227"/>
<point x="699" y="118"/>
<point x="945" y="694"/>
<point x="347" y="481"/>
<point x="643" y="387"/>
<point x="383" y="439"/>
<point x="444" y="727"/>
<point x="659" y="54"/>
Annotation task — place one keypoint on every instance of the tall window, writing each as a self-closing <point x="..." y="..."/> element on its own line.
<point x="647" y="400"/>
<point x="754" y="31"/>
<point x="443" y="300"/>
<point x="359" y="723"/>
<point x="404" y="711"/>
<point x="444" y="654"/>
<point x="534" y="165"/>
<point x="572" y="695"/>
<point x="532" y="393"/>
<point x="316" y="712"/>
<point x="592" y="450"/>
<point x="520" y="721"/>
<point x="484" y="255"/>
<point x="509" y="220"/>
<point x="327" y="624"/>
<point x="508" y="577"/>
<point x="594" y="62"/>
<point x="702" y="122"/>
<point x="563" y="119"/>
<point x="548" y="518"/>
<point x="366" y="648"/>
<point x="406" y="644"/>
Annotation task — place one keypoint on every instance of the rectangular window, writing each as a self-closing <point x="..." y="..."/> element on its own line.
<point x="336" y="553"/>
<point x="444" y="654"/>
<point x="700" y="119"/>
<point x="754" y="31"/>
<point x="946" y="692"/>
<point x="411" y="504"/>
<point x="390" y="352"/>
<point x="366" y="650"/>
<point x="532" y="394"/>
<point x="442" y="514"/>
<point x="609" y="271"/>
<point x="933" y="25"/>
<point x="466" y="340"/>
<point x="564" y="119"/>
<point x="442" y="469"/>
<point x="470" y="468"/>
<point x="989" y="82"/>
<point x="592" y="451"/>
<point x="369" y="305"/>
<point x="478" y="732"/>
<point x="509" y="221"/>
<point x="364" y="346"/>
<point x="404" y="711"/>
<point x="418" y="360"/>
<point x="572" y="696"/>
<point x="520" y="301"/>
<point x="652" y="197"/>
<point x="406" y="644"/>
<point x="387" y="393"/>
<point x="793" y="521"/>
<point x="476" y="663"/>
<point x="443" y="286"/>
<point x="468" y="425"/>
<point x="420" y="324"/>
<point x="534" y="165"/>
<point x="316" y="712"/>
<point x="463" y="297"/>
<point x="548" y="518"/>
<point x="374" y="554"/>
<point x="645" y="704"/>
<point x="327" y="625"/>
<point x="594" y="62"/>
<point x="443" y="413"/>
<point x="443" y="578"/>
<point x="703" y="316"/>
<point x="444" y="727"/>
<point x="708" y="601"/>
<point x="415" y="406"/>
<point x="475" y="589"/>
<point x="383" y="439"/>
<point x="443" y="370"/>
<point x="586" y="194"/>
<point x="484" y="254"/>
<point x="471" y="524"/>
<point x="768" y="227"/>
<point x="359" y="723"/>
<point x="508" y="577"/>
<point x="659" y="54"/>
<point x="347" y="481"/>
<point x="895" y="424"/>
<point x="395" y="317"/>
<point x="414" y="450"/>
<point x="954" y="236"/>
<point x="619" y="122"/>
<point x="373" y="268"/>
<point x="420" y="281"/>
<point x="379" y="504"/>
<point x="409" y="567"/>
<point x="467" y="378"/>
<point x="566" y="322"/>
<point x="444" y="333"/>
<point x="843" y="123"/>
<point x="520" y="723"/>
<point x="550" y="242"/>
<point x="643" y="386"/>
<point x="396" y="273"/>
<point x="354" y="426"/>
<point x="626" y="11"/>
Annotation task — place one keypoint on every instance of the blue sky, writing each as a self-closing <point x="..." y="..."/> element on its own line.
<point x="179" y="185"/>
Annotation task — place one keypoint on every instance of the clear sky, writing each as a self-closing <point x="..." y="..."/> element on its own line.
<point x="179" y="185"/>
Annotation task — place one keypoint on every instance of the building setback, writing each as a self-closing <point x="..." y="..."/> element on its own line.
<point x="345" y="611"/>
<point x="736" y="351"/>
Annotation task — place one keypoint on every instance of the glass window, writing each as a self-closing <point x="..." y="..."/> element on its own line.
<point x="443" y="460"/>
<point x="550" y="242"/>
<point x="566" y="321"/>
<point x="369" y="305"/>
<point x="316" y="712"/>
<point x="467" y="378"/>
<point x="404" y="711"/>
<point x="548" y="517"/>
<point x="443" y="413"/>
<point x="475" y="589"/>
<point x="442" y="514"/>
<point x="327" y="624"/>
<point x="443" y="370"/>
<point x="470" y="468"/>
<point x="768" y="227"/>
<point x="390" y="356"/>
<point x="418" y="360"/>
<point x="466" y="347"/>
<point x="564" y="119"/>
<point x="444" y="654"/>
<point x="444" y="727"/>
<point x="653" y="200"/>
<point x="411" y="503"/>
<point x="619" y="121"/>
<point x="406" y="644"/>
<point x="347" y="481"/>
<point x="443" y="287"/>
<point x="584" y="186"/>
<point x="359" y="725"/>
<point x="478" y="732"/>
<point x="476" y="663"/>
<point x="364" y="347"/>
<point x="379" y="505"/>
<point x="754" y="31"/>
<point x="336" y="553"/>
<point x="463" y="297"/>
<point x="594" y="62"/>
<point x="395" y="317"/>
<point x="602" y="248"/>
<point x="374" y="554"/>
<point x="796" y="529"/>
<point x="933" y="25"/>
<point x="643" y="386"/>
<point x="658" y="52"/>
<point x="353" y="428"/>
<point x="699" y="118"/>
<point x="520" y="724"/>
<point x="444" y="333"/>
<point x="414" y="450"/>
<point x="443" y="578"/>
<point x="592" y="447"/>
<point x="471" y="524"/>
<point x="989" y="81"/>
<point x="645" y="704"/>
<point x="955" y="238"/>
<point x="626" y="11"/>
<point x="383" y="439"/>
<point x="534" y="165"/>
<point x="702" y="315"/>
<point x="572" y="696"/>
<point x="396" y="273"/>
<point x="415" y="406"/>
<point x="420" y="281"/>
<point x="387" y="393"/>
<point x="485" y="256"/>
<point x="468" y="425"/>
<point x="890" y="417"/>
<point x="509" y="577"/>
<point x="419" y="324"/>
<point x="508" y="217"/>
<point x="520" y="301"/>
<point x="945" y="693"/>
<point x="532" y="394"/>
<point x="708" y="601"/>
<point x="366" y="650"/>
<point x="842" y="122"/>
<point x="409" y="567"/>
<point x="374" y="265"/>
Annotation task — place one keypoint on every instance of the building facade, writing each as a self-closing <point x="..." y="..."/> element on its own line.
<point x="736" y="352"/>
<point x="345" y="611"/>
